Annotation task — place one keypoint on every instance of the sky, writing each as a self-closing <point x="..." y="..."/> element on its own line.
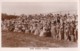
<point x="37" y="7"/>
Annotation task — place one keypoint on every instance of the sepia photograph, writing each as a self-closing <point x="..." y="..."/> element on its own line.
<point x="39" y="24"/>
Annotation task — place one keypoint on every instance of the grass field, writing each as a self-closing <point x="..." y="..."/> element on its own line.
<point x="13" y="39"/>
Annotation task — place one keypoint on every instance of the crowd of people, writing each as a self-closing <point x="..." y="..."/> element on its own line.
<point x="58" y="26"/>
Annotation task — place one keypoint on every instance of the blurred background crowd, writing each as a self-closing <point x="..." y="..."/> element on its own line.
<point x="58" y="26"/>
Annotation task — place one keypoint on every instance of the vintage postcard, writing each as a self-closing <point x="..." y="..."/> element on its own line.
<point x="39" y="24"/>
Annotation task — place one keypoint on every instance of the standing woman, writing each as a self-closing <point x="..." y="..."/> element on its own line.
<point x="53" y="30"/>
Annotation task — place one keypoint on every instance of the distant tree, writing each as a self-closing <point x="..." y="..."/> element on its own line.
<point x="6" y="16"/>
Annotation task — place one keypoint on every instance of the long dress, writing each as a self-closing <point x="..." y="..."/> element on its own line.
<point x="53" y="31"/>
